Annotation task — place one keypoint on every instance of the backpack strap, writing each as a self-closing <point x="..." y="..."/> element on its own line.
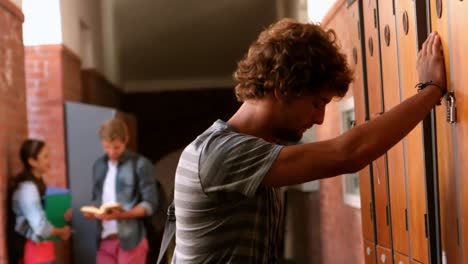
<point x="169" y="232"/>
<point x="169" y="227"/>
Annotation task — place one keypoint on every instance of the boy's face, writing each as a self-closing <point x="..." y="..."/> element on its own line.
<point x="114" y="149"/>
<point x="301" y="113"/>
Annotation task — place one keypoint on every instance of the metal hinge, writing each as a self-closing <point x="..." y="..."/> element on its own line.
<point x="406" y="218"/>
<point x="359" y="29"/>
<point x="425" y="225"/>
<point x="388" y="214"/>
<point x="375" y="18"/>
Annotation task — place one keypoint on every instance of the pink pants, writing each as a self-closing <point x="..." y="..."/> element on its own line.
<point x="42" y="252"/>
<point x="110" y="252"/>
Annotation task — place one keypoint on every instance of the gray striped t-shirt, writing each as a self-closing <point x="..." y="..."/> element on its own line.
<point x="223" y="214"/>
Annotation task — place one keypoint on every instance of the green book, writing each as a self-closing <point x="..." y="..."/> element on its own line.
<point x="56" y="205"/>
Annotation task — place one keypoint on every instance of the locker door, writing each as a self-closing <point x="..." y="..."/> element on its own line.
<point x="395" y="162"/>
<point x="375" y="107"/>
<point x="445" y="149"/>
<point x="369" y="252"/>
<point x="355" y="57"/>
<point x="458" y="45"/>
<point x="413" y="143"/>
<point x="384" y="255"/>
<point x="401" y="259"/>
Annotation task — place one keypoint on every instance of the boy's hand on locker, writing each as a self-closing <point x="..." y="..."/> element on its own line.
<point x="431" y="64"/>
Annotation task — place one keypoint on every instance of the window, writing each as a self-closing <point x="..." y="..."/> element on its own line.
<point x="351" y="195"/>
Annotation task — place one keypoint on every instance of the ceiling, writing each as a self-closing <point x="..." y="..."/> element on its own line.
<point x="189" y="44"/>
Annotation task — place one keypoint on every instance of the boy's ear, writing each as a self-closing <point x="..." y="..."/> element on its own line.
<point x="279" y="96"/>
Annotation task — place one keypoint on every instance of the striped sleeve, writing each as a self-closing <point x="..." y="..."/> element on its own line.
<point x="235" y="163"/>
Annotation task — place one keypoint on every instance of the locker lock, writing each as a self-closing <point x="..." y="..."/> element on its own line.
<point x="451" y="107"/>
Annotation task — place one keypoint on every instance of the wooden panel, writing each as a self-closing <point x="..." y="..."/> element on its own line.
<point x="400" y="259"/>
<point x="384" y="255"/>
<point x="369" y="252"/>
<point x="395" y="161"/>
<point x="458" y="45"/>
<point x="446" y="167"/>
<point x="375" y="107"/>
<point x="417" y="207"/>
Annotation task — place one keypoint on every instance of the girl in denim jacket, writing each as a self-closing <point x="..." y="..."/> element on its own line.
<point x="27" y="190"/>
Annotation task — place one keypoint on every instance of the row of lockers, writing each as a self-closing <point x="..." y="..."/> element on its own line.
<point x="413" y="199"/>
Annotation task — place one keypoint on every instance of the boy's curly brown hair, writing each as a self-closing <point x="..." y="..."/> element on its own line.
<point x="295" y="58"/>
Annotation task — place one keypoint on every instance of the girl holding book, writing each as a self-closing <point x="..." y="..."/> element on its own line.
<point x="30" y="223"/>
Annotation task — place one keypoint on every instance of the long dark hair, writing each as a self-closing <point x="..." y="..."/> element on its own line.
<point x="29" y="149"/>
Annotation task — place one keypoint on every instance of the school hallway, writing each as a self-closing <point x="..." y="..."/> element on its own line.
<point x="165" y="68"/>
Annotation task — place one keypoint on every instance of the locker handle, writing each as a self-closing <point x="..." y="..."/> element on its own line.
<point x="405" y="22"/>
<point x="387" y="35"/>
<point x="370" y="44"/>
<point x="355" y="55"/>
<point x="439" y="8"/>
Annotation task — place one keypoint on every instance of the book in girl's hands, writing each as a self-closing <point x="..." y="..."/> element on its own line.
<point x="103" y="209"/>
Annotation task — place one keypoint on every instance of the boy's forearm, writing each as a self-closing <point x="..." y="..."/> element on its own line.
<point x="136" y="212"/>
<point x="379" y="135"/>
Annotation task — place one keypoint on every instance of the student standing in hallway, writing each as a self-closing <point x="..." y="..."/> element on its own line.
<point x="226" y="202"/>
<point x="27" y="192"/>
<point x="127" y="178"/>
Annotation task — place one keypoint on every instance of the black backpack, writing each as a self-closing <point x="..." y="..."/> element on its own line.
<point x="15" y="241"/>
<point x="152" y="235"/>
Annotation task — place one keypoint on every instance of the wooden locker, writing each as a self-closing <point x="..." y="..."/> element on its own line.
<point x="369" y="252"/>
<point x="407" y="40"/>
<point x="375" y="108"/>
<point x="458" y="45"/>
<point x="401" y="259"/>
<point x="355" y="58"/>
<point x="384" y="255"/>
<point x="391" y="91"/>
<point x="445" y="148"/>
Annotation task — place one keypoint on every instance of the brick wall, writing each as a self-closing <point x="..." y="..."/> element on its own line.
<point x="303" y="227"/>
<point x="13" y="128"/>
<point x="53" y="76"/>
<point x="341" y="229"/>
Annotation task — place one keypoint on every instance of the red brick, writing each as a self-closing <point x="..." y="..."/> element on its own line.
<point x="12" y="102"/>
